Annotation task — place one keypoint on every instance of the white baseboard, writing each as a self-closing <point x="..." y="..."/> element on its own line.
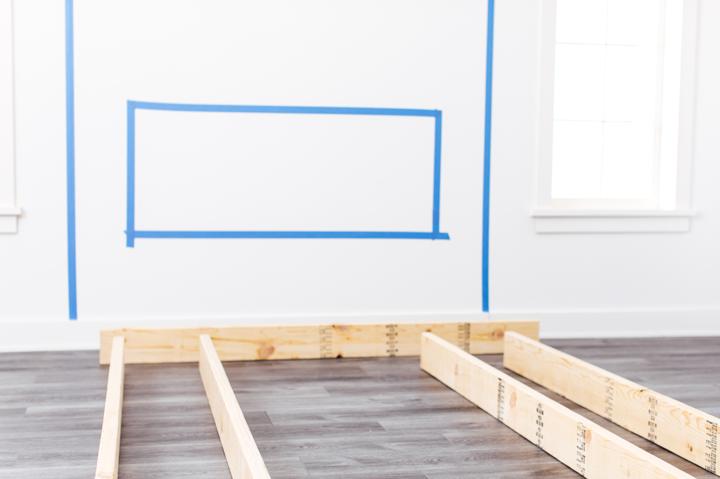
<point x="61" y="334"/>
<point x="637" y="323"/>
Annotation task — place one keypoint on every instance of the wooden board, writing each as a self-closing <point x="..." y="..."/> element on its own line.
<point x="235" y="343"/>
<point x="109" y="451"/>
<point x="684" y="430"/>
<point x="582" y="445"/>
<point x="241" y="452"/>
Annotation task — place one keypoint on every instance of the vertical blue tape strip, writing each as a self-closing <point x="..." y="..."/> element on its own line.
<point x="486" y="157"/>
<point x="70" y="145"/>
<point x="436" y="172"/>
<point x="130" y="227"/>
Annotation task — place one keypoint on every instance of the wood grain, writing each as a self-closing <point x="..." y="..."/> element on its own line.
<point x="582" y="445"/>
<point x="315" y="419"/>
<point x="241" y="452"/>
<point x="109" y="450"/>
<point x="167" y="345"/>
<point x="684" y="430"/>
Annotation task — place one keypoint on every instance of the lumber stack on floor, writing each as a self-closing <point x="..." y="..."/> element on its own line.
<point x="684" y="430"/>
<point x="109" y="450"/>
<point x="235" y="343"/>
<point x="579" y="443"/>
<point x="342" y="413"/>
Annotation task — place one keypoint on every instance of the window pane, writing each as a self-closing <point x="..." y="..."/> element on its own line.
<point x="630" y="84"/>
<point x="577" y="160"/>
<point x="627" y="166"/>
<point x="633" y="22"/>
<point x="581" y="21"/>
<point x="579" y="82"/>
<point x="615" y="100"/>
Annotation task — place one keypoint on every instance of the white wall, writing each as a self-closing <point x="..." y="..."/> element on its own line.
<point x="578" y="284"/>
<point x="223" y="171"/>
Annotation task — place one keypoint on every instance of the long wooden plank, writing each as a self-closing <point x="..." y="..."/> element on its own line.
<point x="241" y="452"/>
<point x="584" y="446"/>
<point x="235" y="343"/>
<point x="109" y="451"/>
<point x="684" y="430"/>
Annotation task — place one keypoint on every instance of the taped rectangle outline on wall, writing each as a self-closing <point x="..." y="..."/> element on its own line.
<point x="70" y="158"/>
<point x="132" y="234"/>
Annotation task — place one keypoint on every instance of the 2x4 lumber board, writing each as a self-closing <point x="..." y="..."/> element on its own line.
<point x="109" y="451"/>
<point x="684" y="430"/>
<point x="582" y="445"/>
<point x="242" y="343"/>
<point x="241" y="452"/>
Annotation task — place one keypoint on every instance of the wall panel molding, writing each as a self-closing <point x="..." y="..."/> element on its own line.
<point x="9" y="211"/>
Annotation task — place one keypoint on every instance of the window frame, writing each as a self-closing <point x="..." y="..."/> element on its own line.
<point x="9" y="211"/>
<point x="608" y="215"/>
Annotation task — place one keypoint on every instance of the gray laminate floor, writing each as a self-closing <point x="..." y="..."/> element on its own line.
<point x="349" y="418"/>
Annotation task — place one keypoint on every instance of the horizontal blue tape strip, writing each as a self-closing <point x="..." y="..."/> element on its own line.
<point x="308" y="110"/>
<point x="293" y="234"/>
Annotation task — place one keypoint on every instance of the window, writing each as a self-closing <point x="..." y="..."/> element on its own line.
<point x="9" y="212"/>
<point x="616" y="114"/>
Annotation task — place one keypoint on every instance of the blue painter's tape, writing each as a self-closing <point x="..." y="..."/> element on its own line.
<point x="70" y="158"/>
<point x="487" y="157"/>
<point x="130" y="226"/>
<point x="132" y="234"/>
<point x="297" y="110"/>
<point x="292" y="235"/>
<point x="436" y="172"/>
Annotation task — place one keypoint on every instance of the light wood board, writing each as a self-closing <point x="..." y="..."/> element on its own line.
<point x="235" y="343"/>
<point x="684" y="430"/>
<point x="582" y="445"/>
<point x="241" y="452"/>
<point x="109" y="450"/>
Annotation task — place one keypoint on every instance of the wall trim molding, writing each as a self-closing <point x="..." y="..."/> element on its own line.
<point x="550" y="220"/>
<point x="622" y="323"/>
<point x="9" y="212"/>
<point x="9" y="218"/>
<point x="58" y="334"/>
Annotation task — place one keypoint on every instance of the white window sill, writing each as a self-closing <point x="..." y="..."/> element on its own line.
<point x="611" y="221"/>
<point x="9" y="219"/>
